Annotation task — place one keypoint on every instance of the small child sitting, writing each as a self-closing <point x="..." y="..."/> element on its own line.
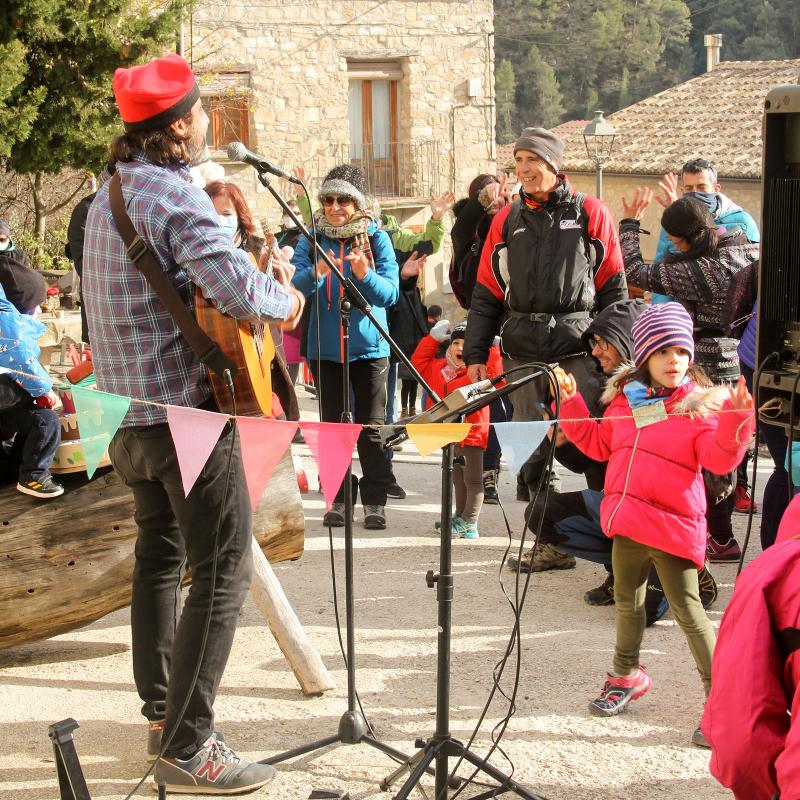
<point x="26" y="398"/>
<point x="444" y="375"/>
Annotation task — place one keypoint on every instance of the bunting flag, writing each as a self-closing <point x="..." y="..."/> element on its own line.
<point x="264" y="441"/>
<point x="99" y="416"/>
<point x="331" y="444"/>
<point x="430" y="436"/>
<point x="519" y="439"/>
<point x="194" y="433"/>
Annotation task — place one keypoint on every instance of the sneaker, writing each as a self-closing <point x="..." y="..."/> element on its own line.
<point x="619" y="691"/>
<point x="708" y="587"/>
<point x="721" y="553"/>
<point x="469" y="529"/>
<point x="334" y="517"/>
<point x="743" y="501"/>
<point x="490" y="495"/>
<point x="456" y="524"/>
<point x="46" y="489"/>
<point x="396" y="492"/>
<point x="374" y="518"/>
<point x="603" y="595"/>
<point x="547" y="557"/>
<point x="214" y="769"/>
<point x="699" y="739"/>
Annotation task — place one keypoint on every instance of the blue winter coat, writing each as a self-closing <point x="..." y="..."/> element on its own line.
<point x="380" y="288"/>
<point x="19" y="349"/>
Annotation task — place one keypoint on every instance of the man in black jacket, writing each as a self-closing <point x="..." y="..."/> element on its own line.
<point x="550" y="261"/>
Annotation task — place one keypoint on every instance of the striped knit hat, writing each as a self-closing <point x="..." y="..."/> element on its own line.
<point x="659" y="326"/>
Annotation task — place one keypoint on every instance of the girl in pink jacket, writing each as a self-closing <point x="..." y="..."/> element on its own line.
<point x="657" y="433"/>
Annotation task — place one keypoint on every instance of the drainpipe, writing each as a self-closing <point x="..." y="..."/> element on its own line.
<point x="713" y="43"/>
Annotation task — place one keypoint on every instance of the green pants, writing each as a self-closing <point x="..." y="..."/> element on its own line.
<point x="678" y="576"/>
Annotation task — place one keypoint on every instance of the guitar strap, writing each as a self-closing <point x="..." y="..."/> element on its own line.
<point x="206" y="349"/>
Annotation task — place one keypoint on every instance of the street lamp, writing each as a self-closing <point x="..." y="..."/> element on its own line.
<point x="598" y="136"/>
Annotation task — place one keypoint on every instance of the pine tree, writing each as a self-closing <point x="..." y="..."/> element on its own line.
<point x="60" y="112"/>
<point x="504" y="86"/>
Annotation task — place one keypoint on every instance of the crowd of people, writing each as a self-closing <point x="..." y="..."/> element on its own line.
<point x="542" y="274"/>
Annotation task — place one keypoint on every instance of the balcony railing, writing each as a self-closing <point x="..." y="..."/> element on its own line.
<point x="397" y="170"/>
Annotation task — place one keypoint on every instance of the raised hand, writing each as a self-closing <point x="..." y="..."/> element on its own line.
<point x="669" y="189"/>
<point x="322" y="268"/>
<point x="359" y="265"/>
<point x="741" y="399"/>
<point x="442" y="204"/>
<point x="300" y="173"/>
<point x="636" y="208"/>
<point x="441" y="330"/>
<point x="413" y="266"/>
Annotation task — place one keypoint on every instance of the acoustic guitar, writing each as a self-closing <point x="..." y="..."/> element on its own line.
<point x="249" y="345"/>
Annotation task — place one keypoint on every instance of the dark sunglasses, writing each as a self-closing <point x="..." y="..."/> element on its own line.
<point x="330" y="199"/>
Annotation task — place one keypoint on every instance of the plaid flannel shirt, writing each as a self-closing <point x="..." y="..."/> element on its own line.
<point x="137" y="349"/>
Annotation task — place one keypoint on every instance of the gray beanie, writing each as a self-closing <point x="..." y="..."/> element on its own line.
<point x="544" y="143"/>
<point x="346" y="180"/>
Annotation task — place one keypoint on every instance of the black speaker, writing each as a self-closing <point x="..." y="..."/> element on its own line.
<point x="778" y="343"/>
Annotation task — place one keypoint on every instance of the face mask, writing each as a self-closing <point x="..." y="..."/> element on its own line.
<point x="229" y="223"/>
<point x="708" y="199"/>
<point x="288" y="222"/>
<point x="5" y="245"/>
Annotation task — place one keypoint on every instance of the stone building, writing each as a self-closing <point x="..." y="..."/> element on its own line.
<point x="403" y="88"/>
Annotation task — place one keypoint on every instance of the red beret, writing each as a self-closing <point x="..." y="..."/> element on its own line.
<point x="153" y="95"/>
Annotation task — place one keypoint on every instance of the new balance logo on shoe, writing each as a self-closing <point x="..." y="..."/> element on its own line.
<point x="211" y="771"/>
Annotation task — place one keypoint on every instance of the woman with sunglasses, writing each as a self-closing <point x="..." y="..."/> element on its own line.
<point x="348" y="233"/>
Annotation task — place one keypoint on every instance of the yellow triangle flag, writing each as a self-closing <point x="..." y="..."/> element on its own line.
<point x="430" y="436"/>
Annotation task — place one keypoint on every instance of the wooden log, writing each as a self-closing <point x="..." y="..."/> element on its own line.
<point x="67" y="562"/>
<point x="271" y="601"/>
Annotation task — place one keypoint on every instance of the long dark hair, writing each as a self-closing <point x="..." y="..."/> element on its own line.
<point x="163" y="146"/>
<point x="479" y="182"/>
<point x="691" y="220"/>
<point x="230" y="190"/>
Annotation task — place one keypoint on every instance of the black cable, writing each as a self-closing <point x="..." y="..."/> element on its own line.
<point x="756" y="387"/>
<point x="515" y="639"/>
<point x="207" y="624"/>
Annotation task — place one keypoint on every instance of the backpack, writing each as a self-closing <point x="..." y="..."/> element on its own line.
<point x="740" y="299"/>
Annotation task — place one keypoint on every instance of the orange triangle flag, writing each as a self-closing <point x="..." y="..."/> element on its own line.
<point x="430" y="436"/>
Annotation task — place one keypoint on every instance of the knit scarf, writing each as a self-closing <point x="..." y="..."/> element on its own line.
<point x="451" y="369"/>
<point x="639" y="394"/>
<point x="354" y="233"/>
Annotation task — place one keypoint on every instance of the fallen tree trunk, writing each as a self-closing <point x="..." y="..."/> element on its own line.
<point x="67" y="562"/>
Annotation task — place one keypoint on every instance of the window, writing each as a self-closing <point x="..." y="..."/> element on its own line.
<point x="372" y="118"/>
<point x="226" y="99"/>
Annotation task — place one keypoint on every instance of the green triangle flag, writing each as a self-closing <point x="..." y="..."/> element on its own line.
<point x="99" y="416"/>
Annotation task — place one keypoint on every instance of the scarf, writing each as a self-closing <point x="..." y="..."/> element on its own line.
<point x="354" y="233"/>
<point x="639" y="394"/>
<point x="451" y="369"/>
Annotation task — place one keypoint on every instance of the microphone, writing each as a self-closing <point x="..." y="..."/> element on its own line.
<point x="238" y="152"/>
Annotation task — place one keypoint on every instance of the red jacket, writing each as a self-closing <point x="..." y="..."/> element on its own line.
<point x="430" y="367"/>
<point x="755" y="743"/>
<point x="654" y="491"/>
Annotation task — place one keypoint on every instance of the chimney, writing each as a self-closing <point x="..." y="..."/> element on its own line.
<point x="713" y="43"/>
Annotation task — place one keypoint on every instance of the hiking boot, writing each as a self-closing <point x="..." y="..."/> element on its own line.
<point x="45" y="489"/>
<point x="547" y="557"/>
<point x="699" y="739"/>
<point x="619" y="691"/>
<point x="334" y="517"/>
<point x="374" y="518"/>
<point x="213" y="769"/>
<point x="722" y="553"/>
<point x="490" y="495"/>
<point x="708" y="587"/>
<point x="603" y="595"/>
<point x="744" y="503"/>
<point x="396" y="492"/>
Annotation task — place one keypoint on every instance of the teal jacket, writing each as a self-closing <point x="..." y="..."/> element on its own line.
<point x="380" y="287"/>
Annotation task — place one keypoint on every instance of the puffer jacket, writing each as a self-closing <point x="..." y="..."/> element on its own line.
<point x="755" y="676"/>
<point x="430" y="367"/>
<point x="654" y="492"/>
<point x="380" y="288"/>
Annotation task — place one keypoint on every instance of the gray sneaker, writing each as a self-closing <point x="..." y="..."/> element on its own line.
<point x="374" y="518"/>
<point x="214" y="769"/>
<point x="335" y="517"/>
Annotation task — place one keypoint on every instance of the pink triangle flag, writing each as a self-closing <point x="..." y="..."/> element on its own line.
<point x="332" y="446"/>
<point x="264" y="441"/>
<point x="194" y="433"/>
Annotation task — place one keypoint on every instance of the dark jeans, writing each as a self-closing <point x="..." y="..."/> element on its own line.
<point x="38" y="433"/>
<point x="368" y="383"/>
<point x="776" y="490"/>
<point x="175" y="531"/>
<point x="500" y="410"/>
<point x="408" y="393"/>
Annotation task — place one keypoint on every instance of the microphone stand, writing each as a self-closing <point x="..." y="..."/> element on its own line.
<point x="353" y="727"/>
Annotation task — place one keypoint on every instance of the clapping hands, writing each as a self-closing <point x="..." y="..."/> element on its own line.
<point x="641" y="200"/>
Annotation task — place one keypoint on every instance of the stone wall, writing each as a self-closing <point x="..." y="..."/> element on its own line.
<point x="297" y="56"/>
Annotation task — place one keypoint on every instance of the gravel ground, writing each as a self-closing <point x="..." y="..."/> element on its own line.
<point x="557" y="749"/>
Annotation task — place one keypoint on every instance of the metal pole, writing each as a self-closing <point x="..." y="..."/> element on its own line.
<point x="599" y="180"/>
